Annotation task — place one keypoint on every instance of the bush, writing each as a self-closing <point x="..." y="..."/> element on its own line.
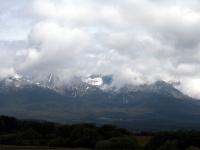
<point x="8" y="124"/>
<point x="41" y="133"/>
<point x="169" y="145"/>
<point x="118" y="143"/>
<point x="193" y="148"/>
<point x="84" y="136"/>
<point x="59" y="142"/>
<point x="10" y="139"/>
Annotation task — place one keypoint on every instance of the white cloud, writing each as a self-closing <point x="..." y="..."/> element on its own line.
<point x="136" y="41"/>
<point x="191" y="87"/>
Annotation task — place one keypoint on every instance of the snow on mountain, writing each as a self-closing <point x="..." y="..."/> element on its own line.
<point x="80" y="86"/>
<point x="161" y="87"/>
<point x="17" y="77"/>
<point x="96" y="81"/>
<point x="50" y="81"/>
<point x="165" y="88"/>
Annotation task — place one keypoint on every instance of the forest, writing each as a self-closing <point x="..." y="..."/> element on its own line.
<point x="85" y="135"/>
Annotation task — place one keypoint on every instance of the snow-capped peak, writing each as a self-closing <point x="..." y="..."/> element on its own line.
<point x="17" y="77"/>
<point x="50" y="78"/>
<point x="95" y="81"/>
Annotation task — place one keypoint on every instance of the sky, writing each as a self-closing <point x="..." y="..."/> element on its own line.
<point x="136" y="41"/>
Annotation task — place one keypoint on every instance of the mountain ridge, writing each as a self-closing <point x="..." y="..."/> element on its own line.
<point x="153" y="106"/>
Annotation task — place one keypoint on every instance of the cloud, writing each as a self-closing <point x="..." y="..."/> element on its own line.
<point x="9" y="51"/>
<point x="135" y="41"/>
<point x="54" y="48"/>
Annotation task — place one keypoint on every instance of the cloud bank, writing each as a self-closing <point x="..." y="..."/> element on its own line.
<point x="135" y="41"/>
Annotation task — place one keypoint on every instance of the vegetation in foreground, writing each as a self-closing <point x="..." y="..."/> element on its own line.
<point x="10" y="147"/>
<point x="29" y="134"/>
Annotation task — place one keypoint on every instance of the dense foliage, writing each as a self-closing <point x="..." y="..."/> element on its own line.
<point x="175" y="140"/>
<point x="40" y="133"/>
<point x="106" y="137"/>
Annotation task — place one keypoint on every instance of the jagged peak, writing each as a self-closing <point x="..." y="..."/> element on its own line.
<point x="82" y="85"/>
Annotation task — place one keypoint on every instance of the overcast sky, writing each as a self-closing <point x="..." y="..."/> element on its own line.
<point x="137" y="41"/>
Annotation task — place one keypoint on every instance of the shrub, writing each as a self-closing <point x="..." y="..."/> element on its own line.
<point x="59" y="142"/>
<point x="169" y="145"/>
<point x="193" y="148"/>
<point x="118" y="143"/>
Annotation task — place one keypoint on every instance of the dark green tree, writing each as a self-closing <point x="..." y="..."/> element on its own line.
<point x="169" y="145"/>
<point x="118" y="143"/>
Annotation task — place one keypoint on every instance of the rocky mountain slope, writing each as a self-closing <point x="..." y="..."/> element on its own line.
<point x="145" y="107"/>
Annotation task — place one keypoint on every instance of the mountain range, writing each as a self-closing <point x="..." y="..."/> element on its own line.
<point x="93" y="99"/>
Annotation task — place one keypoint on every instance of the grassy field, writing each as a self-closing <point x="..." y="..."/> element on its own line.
<point x="5" y="147"/>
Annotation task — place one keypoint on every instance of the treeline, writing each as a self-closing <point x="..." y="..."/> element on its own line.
<point x="40" y="133"/>
<point x="106" y="137"/>
<point x="175" y="140"/>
